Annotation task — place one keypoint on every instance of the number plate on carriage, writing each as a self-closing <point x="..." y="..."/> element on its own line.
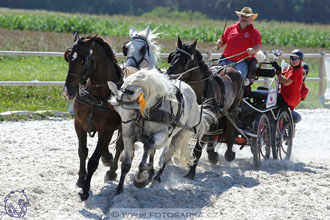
<point x="271" y="97"/>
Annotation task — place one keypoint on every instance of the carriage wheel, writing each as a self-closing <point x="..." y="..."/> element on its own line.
<point x="261" y="144"/>
<point x="282" y="143"/>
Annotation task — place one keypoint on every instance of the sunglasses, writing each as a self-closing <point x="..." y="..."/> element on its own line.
<point x="246" y="17"/>
<point x="294" y="58"/>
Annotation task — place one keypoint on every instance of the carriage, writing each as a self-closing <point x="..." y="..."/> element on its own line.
<point x="249" y="118"/>
<point x="263" y="125"/>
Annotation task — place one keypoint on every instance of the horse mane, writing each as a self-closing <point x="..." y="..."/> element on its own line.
<point x="151" y="39"/>
<point x="154" y="85"/>
<point x="107" y="49"/>
<point x="109" y="52"/>
<point x="204" y="67"/>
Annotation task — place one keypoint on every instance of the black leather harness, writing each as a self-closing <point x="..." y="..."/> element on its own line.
<point x="169" y="118"/>
<point x="95" y="103"/>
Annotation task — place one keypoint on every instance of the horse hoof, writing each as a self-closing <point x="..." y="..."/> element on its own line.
<point x="190" y="175"/>
<point x="141" y="179"/>
<point x="157" y="178"/>
<point x="230" y="156"/>
<point x="110" y="176"/>
<point x="213" y="157"/>
<point x="118" y="192"/>
<point x="141" y="184"/>
<point x="83" y="196"/>
<point x="80" y="182"/>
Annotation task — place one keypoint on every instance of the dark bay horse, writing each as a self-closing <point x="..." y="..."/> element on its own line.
<point x="225" y="94"/>
<point x="91" y="64"/>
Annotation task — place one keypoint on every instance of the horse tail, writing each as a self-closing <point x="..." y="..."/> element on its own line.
<point x="183" y="153"/>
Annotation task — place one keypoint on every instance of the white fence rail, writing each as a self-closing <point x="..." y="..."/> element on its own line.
<point x="321" y="79"/>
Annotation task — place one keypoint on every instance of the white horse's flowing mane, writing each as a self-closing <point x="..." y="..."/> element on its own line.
<point x="151" y="39"/>
<point x="154" y="85"/>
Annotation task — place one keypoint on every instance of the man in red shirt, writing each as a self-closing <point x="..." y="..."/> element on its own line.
<point x="291" y="80"/>
<point x="243" y="40"/>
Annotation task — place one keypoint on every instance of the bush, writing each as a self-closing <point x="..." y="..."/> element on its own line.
<point x="172" y="13"/>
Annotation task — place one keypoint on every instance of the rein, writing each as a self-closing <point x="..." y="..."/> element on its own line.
<point x="179" y="75"/>
<point x="235" y="55"/>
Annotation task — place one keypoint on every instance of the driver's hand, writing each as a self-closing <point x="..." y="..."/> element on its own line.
<point x="276" y="66"/>
<point x="250" y="51"/>
<point x="219" y="43"/>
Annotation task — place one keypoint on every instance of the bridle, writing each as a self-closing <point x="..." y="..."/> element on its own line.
<point x="89" y="59"/>
<point x="144" y="51"/>
<point x="191" y="58"/>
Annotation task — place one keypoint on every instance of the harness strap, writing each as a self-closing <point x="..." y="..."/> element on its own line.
<point x="188" y="54"/>
<point x="88" y="99"/>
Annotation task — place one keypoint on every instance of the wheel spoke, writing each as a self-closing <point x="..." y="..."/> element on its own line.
<point x="283" y="136"/>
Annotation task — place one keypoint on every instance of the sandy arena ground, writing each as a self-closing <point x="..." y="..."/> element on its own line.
<point x="41" y="158"/>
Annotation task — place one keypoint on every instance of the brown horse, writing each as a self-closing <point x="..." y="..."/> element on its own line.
<point x="224" y="93"/>
<point x="91" y="64"/>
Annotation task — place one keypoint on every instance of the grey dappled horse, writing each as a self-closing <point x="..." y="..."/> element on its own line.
<point x="162" y="115"/>
<point x="142" y="51"/>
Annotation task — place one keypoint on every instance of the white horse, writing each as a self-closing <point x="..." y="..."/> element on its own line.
<point x="142" y="50"/>
<point x="160" y="114"/>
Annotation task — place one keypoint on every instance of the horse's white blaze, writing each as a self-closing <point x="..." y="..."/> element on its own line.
<point x="74" y="56"/>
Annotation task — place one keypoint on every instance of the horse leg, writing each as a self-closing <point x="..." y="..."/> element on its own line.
<point x="197" y="153"/>
<point x="83" y="153"/>
<point x="107" y="157"/>
<point x="127" y="162"/>
<point x="230" y="154"/>
<point x="111" y="174"/>
<point x="103" y="142"/>
<point x="167" y="157"/>
<point x="142" y="177"/>
<point x="212" y="155"/>
<point x="150" y="165"/>
<point x="179" y="142"/>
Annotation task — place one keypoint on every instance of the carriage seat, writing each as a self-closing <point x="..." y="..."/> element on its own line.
<point x="254" y="73"/>
<point x="261" y="93"/>
<point x="266" y="72"/>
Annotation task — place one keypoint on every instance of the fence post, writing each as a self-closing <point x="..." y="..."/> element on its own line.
<point x="322" y="78"/>
<point x="70" y="106"/>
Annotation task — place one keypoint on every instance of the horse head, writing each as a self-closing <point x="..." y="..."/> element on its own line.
<point x="142" y="90"/>
<point x="141" y="51"/>
<point x="89" y="65"/>
<point x="127" y="96"/>
<point x="185" y="57"/>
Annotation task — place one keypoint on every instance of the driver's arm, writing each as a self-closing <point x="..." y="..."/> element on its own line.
<point x="285" y="81"/>
<point x="253" y="50"/>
